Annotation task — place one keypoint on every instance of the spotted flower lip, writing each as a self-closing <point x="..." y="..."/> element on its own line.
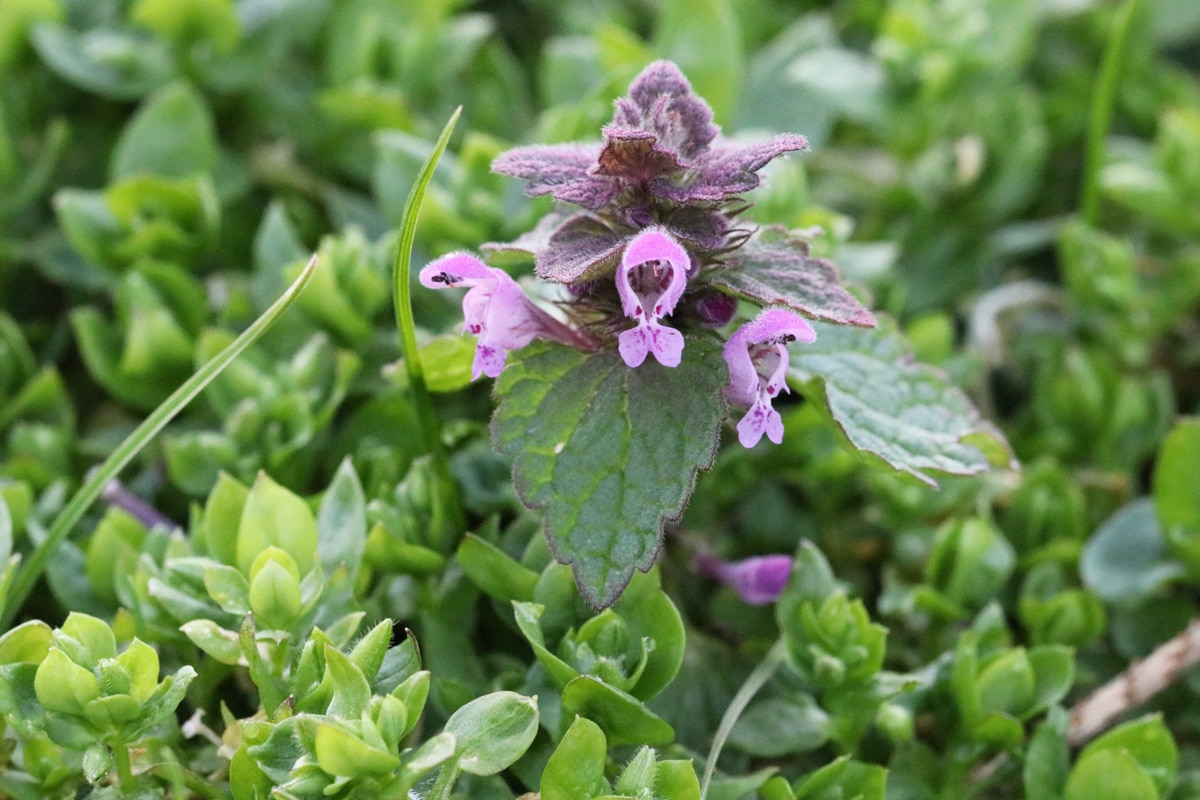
<point x="495" y="309"/>
<point x="757" y="356"/>
<point x="758" y="580"/>
<point x="650" y="281"/>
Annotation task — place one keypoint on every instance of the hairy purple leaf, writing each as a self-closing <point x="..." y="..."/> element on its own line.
<point x="774" y="268"/>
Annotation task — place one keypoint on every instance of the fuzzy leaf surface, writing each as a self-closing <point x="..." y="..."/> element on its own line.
<point x="908" y="414"/>
<point x="609" y="454"/>
<point x="776" y="269"/>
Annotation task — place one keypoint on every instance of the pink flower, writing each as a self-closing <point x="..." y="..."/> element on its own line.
<point x="494" y="309"/>
<point x="758" y="581"/>
<point x="757" y="356"/>
<point x="650" y="280"/>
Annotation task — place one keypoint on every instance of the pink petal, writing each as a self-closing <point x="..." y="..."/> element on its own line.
<point x="760" y="419"/>
<point x="653" y="244"/>
<point x="488" y="361"/>
<point x="758" y="580"/>
<point x="776" y="322"/>
<point x="456" y="269"/>
<point x="633" y="346"/>
<point x="743" y="380"/>
<point x="666" y="344"/>
<point x="511" y="321"/>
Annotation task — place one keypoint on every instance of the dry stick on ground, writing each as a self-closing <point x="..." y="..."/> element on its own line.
<point x="1137" y="684"/>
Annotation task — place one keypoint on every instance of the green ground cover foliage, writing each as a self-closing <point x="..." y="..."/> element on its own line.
<point x="346" y="569"/>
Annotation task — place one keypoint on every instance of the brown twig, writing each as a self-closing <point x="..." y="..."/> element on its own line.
<point x="1140" y="681"/>
<point x="1137" y="684"/>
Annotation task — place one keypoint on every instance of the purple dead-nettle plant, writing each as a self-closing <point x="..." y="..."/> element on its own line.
<point x="659" y="242"/>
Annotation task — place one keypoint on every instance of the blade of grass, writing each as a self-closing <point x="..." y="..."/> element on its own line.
<point x="402" y="296"/>
<point x="761" y="674"/>
<point x="74" y="510"/>
<point x="1103" y="97"/>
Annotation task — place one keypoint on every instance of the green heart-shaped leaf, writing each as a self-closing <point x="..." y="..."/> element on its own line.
<point x="609" y="454"/>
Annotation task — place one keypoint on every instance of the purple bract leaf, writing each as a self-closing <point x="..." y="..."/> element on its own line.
<point x="775" y="268"/>
<point x="728" y="171"/>
<point x="561" y="170"/>
<point x="581" y="248"/>
<point x="634" y="155"/>
<point x="661" y="102"/>
<point x="704" y="227"/>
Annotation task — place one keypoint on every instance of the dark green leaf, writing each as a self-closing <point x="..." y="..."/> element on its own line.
<point x="342" y="523"/>
<point x="624" y="718"/>
<point x="172" y="135"/>
<point x="493" y="731"/>
<point x="1125" y="561"/>
<point x="107" y="62"/>
<point x="608" y="453"/>
<point x="905" y="413"/>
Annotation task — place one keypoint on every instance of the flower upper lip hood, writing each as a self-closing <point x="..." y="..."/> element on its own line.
<point x="650" y="281"/>
<point x="662" y="142"/>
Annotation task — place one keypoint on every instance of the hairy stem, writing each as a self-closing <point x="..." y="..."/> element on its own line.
<point x="125" y="778"/>
<point x="445" y="782"/>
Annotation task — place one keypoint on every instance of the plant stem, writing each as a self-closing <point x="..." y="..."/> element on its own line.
<point x="1103" y="97"/>
<point x="124" y="453"/>
<point x="120" y="753"/>
<point x="445" y="782"/>
<point x="761" y="674"/>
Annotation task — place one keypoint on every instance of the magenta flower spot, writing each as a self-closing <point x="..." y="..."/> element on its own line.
<point x="758" y="581"/>
<point x="495" y="309"/>
<point x="757" y="356"/>
<point x="650" y="280"/>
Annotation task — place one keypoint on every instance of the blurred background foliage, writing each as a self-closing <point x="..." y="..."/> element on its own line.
<point x="166" y="166"/>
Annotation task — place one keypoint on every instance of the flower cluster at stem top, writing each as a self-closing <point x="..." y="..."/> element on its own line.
<point x="660" y="197"/>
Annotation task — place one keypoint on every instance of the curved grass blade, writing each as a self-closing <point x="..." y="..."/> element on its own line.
<point x="402" y="292"/>
<point x="402" y="297"/>
<point x="758" y="678"/>
<point x="124" y="453"/>
<point x="1103" y="98"/>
